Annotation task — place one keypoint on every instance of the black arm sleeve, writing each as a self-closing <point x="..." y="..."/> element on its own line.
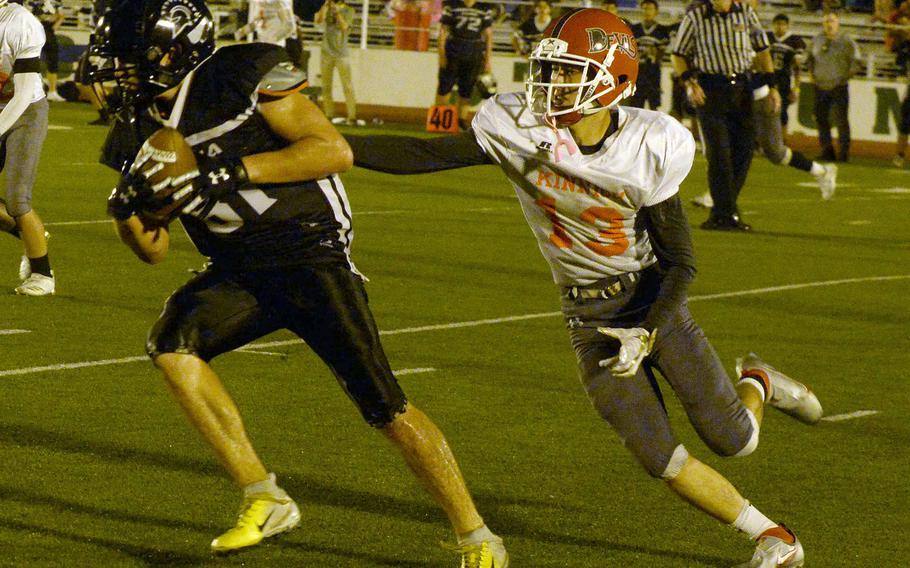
<point x="668" y="229"/>
<point x="410" y="155"/>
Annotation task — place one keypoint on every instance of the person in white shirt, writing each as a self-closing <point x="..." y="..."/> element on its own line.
<point x="272" y="21"/>
<point x="599" y="187"/>
<point x="23" y="127"/>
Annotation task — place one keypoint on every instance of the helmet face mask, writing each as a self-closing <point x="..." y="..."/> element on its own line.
<point x="587" y="62"/>
<point x="142" y="48"/>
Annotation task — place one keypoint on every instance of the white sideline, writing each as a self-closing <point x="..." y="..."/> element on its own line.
<point x="850" y="415"/>
<point x="463" y="324"/>
<point x="13" y="331"/>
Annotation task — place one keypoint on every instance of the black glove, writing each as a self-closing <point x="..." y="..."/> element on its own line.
<point x="129" y="196"/>
<point x="212" y="180"/>
<point x="217" y="178"/>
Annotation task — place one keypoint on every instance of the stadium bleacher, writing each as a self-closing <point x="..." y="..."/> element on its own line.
<point x="380" y="30"/>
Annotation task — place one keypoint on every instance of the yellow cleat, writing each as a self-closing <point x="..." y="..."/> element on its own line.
<point x="486" y="554"/>
<point x="261" y="516"/>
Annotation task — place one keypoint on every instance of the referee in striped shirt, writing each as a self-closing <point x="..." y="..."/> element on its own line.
<point x="718" y="44"/>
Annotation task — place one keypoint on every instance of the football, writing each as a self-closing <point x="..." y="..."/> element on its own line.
<point x="168" y="164"/>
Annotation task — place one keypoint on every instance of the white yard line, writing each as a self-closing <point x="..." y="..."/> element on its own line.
<point x="473" y="323"/>
<point x="414" y="371"/>
<point x="850" y="415"/>
<point x="257" y="352"/>
<point x="13" y="331"/>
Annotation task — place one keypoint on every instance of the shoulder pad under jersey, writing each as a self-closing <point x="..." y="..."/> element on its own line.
<point x="283" y="79"/>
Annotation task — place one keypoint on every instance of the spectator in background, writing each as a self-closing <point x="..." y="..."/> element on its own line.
<point x="833" y="59"/>
<point x="902" y="51"/>
<point x="531" y="30"/>
<point x="465" y="51"/>
<point x="881" y="10"/>
<point x="786" y="48"/>
<point x="893" y="32"/>
<point x="610" y="6"/>
<point x="412" y="23"/>
<point x="48" y="13"/>
<point x="293" y="44"/>
<point x="336" y="17"/>
<point x="652" y="39"/>
<point x="270" y="21"/>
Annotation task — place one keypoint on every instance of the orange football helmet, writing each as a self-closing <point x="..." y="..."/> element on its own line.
<point x="587" y="61"/>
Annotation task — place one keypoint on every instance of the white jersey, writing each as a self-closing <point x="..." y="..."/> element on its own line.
<point x="274" y="21"/>
<point x="582" y="208"/>
<point x="21" y="37"/>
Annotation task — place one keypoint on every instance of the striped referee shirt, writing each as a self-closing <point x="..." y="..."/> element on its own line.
<point x="722" y="43"/>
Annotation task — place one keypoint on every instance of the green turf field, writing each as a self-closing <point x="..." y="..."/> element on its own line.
<point x="99" y="468"/>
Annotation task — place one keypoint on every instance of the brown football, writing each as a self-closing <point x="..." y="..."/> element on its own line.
<point x="169" y="165"/>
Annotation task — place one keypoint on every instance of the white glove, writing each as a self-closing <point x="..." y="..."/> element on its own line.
<point x="634" y="344"/>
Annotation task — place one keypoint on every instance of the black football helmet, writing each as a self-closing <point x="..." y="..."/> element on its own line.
<point x="141" y="48"/>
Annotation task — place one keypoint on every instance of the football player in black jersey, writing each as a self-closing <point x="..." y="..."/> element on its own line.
<point x="276" y="225"/>
<point x="785" y="49"/>
<point x="531" y="30"/>
<point x="465" y="51"/>
<point x="653" y="39"/>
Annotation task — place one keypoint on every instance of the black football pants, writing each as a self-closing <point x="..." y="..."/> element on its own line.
<point x="728" y="138"/>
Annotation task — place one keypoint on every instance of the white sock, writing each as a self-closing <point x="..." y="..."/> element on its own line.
<point x="477" y="536"/>
<point x="752" y="522"/>
<point x="817" y="170"/>
<point x="267" y="486"/>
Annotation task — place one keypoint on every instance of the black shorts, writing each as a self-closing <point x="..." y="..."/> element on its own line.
<point x="904" y="126"/>
<point x="462" y="68"/>
<point x="50" y="52"/>
<point x="783" y="87"/>
<point x="645" y="93"/>
<point x="325" y="305"/>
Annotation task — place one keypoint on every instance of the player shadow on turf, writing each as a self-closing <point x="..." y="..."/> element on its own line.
<point x="147" y="555"/>
<point x="307" y="489"/>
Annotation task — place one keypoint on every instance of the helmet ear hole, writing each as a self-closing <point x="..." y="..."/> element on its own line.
<point x="622" y="79"/>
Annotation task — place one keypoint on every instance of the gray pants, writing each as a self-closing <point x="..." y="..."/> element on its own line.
<point x="329" y="63"/>
<point x="634" y="407"/>
<point x="20" y="149"/>
<point x="768" y="132"/>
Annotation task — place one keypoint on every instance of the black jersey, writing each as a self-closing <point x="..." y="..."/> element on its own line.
<point x="652" y="41"/>
<point x="466" y="24"/>
<point x="902" y="57"/>
<point x="529" y="33"/>
<point x="266" y="226"/>
<point x="784" y="51"/>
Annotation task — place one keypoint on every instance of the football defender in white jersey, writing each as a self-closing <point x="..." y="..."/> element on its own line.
<point x="23" y="127"/>
<point x="598" y="185"/>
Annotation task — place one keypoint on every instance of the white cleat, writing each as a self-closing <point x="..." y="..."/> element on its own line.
<point x="55" y="97"/>
<point x="788" y="396"/>
<point x="777" y="548"/>
<point x="37" y="285"/>
<point x="704" y="200"/>
<point x="25" y="267"/>
<point x="827" y="182"/>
